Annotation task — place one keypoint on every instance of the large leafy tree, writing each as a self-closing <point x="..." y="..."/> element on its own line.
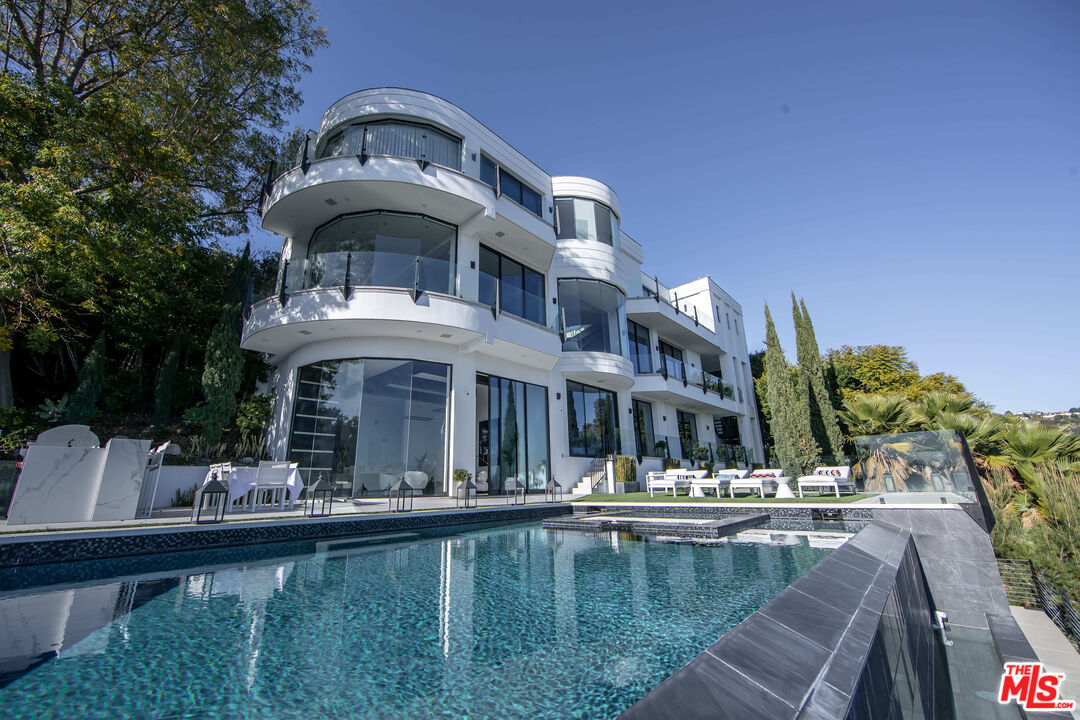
<point x="795" y="447"/>
<point x="812" y="385"/>
<point x="134" y="130"/>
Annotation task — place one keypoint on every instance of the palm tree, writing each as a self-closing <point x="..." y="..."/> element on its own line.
<point x="877" y="414"/>
<point x="1029" y="445"/>
<point x="927" y="409"/>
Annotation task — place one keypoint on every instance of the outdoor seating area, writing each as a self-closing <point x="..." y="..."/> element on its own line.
<point x="825" y="478"/>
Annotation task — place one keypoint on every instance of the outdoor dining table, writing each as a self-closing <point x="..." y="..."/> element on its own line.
<point x="241" y="480"/>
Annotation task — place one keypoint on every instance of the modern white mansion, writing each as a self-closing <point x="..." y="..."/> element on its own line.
<point x="444" y="303"/>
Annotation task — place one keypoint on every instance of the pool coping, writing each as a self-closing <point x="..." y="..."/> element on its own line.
<point x="22" y="550"/>
<point x="813" y="651"/>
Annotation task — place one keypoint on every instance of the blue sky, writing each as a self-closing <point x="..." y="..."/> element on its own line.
<point x="911" y="169"/>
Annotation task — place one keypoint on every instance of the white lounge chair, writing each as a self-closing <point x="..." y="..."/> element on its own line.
<point x="720" y="479"/>
<point x="272" y="479"/>
<point x="826" y="477"/>
<point x="672" y="480"/>
<point x="757" y="480"/>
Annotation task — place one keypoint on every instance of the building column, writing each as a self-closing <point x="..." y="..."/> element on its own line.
<point x="461" y="434"/>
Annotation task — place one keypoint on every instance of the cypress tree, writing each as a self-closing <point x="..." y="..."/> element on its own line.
<point x="222" y="372"/>
<point x="796" y="449"/>
<point x="83" y="407"/>
<point x="163" y="390"/>
<point x="823" y="422"/>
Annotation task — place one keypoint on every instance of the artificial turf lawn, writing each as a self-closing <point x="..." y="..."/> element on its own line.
<point x="749" y="499"/>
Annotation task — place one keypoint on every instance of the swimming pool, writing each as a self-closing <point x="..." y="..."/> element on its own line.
<point x="498" y="622"/>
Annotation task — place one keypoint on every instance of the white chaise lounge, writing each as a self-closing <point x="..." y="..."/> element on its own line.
<point x="757" y="480"/>
<point x="828" y="478"/>
<point x="672" y="480"/>
<point x="720" y="479"/>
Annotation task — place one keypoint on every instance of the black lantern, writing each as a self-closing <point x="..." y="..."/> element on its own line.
<point x="466" y="494"/>
<point x="321" y="494"/>
<point x="553" y="491"/>
<point x="401" y="494"/>
<point x="210" y="502"/>
<point x="515" y="489"/>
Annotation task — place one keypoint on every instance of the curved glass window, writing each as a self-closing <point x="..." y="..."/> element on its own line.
<point x="364" y="423"/>
<point x="586" y="220"/>
<point x="592" y="316"/>
<point x="396" y="139"/>
<point x="382" y="249"/>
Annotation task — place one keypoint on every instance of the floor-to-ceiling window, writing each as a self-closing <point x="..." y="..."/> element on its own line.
<point x="640" y="352"/>
<point x="593" y="316"/>
<point x="592" y="420"/>
<point x="687" y="433"/>
<point x="365" y="423"/>
<point x="643" y="428"/>
<point x="512" y="423"/>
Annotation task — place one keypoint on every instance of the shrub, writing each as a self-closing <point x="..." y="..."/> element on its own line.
<point x="222" y="374"/>
<point x="83" y="406"/>
<point x="1047" y="534"/>
<point x="17" y="427"/>
<point x="184" y="498"/>
<point x="625" y="469"/>
<point x="461" y="476"/>
<point x="672" y="463"/>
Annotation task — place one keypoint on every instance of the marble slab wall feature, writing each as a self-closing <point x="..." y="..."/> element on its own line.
<point x="177" y="477"/>
<point x="57" y="484"/>
<point x="121" y="479"/>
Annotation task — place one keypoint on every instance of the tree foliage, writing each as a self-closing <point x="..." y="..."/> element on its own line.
<point x="885" y="369"/>
<point x="133" y="132"/>
<point x="796" y="449"/>
<point x="222" y="374"/>
<point x="82" y="408"/>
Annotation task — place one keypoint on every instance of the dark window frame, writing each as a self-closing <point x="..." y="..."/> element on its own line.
<point x="571" y="387"/>
<point x="526" y="271"/>
<point x="500" y="187"/>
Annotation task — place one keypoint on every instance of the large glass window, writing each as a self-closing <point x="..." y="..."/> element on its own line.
<point x="593" y="316"/>
<point x="396" y="139"/>
<point x="582" y="219"/>
<point x="640" y="352"/>
<point x="363" y="423"/>
<point x="508" y="184"/>
<point x="643" y="428"/>
<point x="671" y="361"/>
<point x="382" y="249"/>
<point x="592" y="420"/>
<point x="513" y="433"/>
<point x="520" y="289"/>
<point x="687" y="433"/>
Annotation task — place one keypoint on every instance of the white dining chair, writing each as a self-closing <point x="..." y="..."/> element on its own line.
<point x="272" y="480"/>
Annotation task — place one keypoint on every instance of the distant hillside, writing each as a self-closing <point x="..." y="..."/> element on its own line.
<point x="1067" y="419"/>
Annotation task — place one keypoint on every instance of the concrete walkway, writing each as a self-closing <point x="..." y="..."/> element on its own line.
<point x="1053" y="649"/>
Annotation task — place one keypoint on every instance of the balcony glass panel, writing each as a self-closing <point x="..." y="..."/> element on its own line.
<point x="395" y="139"/>
<point x="489" y="276"/>
<point x="512" y="299"/>
<point x="593" y="316"/>
<point x="382" y="249"/>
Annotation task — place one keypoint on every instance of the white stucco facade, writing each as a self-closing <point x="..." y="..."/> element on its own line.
<point x="444" y="303"/>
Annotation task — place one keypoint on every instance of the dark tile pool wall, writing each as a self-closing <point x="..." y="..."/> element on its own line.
<point x="906" y="673"/>
<point x="36" y="549"/>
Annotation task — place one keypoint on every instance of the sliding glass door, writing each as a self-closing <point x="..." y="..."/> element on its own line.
<point x="512" y="420"/>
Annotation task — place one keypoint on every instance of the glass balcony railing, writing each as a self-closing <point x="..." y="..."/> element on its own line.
<point x="693" y="451"/>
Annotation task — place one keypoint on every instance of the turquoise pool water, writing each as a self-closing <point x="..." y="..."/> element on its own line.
<point x="510" y="621"/>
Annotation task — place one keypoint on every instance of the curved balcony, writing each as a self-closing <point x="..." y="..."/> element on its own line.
<point x="301" y="201"/>
<point x="604" y="370"/>
<point x="325" y="313"/>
